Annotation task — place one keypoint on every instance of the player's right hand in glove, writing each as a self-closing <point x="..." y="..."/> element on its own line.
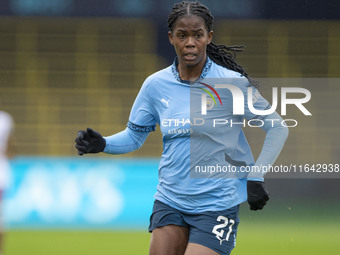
<point x="257" y="195"/>
<point x="89" y="141"/>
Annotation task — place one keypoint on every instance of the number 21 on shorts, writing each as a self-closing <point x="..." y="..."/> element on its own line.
<point x="218" y="230"/>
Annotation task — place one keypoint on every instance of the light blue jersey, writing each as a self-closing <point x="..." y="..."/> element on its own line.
<point x="199" y="132"/>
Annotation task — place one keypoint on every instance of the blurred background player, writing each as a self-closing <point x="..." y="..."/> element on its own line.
<point x="6" y="152"/>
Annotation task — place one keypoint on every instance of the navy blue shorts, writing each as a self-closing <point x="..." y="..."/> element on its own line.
<point x="215" y="230"/>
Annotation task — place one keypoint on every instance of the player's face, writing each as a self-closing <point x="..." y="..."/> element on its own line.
<point x="190" y="39"/>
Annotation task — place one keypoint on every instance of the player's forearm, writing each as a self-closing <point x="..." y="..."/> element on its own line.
<point x="276" y="136"/>
<point x="125" y="141"/>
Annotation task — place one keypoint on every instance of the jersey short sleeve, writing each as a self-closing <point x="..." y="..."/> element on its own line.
<point x="142" y="115"/>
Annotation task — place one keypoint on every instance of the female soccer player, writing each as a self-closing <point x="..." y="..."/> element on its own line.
<point x="196" y="215"/>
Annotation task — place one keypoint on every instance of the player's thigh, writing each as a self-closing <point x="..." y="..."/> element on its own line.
<point x="197" y="249"/>
<point x="169" y="240"/>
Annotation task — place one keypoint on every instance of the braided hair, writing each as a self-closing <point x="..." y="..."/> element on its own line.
<point x="221" y="54"/>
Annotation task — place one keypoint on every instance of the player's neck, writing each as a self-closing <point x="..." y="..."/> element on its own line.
<point x="190" y="73"/>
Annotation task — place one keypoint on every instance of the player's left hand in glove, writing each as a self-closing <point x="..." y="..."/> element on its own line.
<point x="89" y="141"/>
<point x="257" y="195"/>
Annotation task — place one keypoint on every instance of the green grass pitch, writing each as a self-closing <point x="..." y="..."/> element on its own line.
<point x="264" y="233"/>
<point x="279" y="238"/>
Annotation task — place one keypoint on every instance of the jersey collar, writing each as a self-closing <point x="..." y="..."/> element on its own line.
<point x="204" y="73"/>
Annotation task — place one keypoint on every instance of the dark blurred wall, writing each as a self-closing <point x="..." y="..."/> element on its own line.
<point x="158" y="10"/>
<point x="250" y="9"/>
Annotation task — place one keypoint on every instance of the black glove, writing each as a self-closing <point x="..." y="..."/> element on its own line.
<point x="89" y="141"/>
<point x="257" y="195"/>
